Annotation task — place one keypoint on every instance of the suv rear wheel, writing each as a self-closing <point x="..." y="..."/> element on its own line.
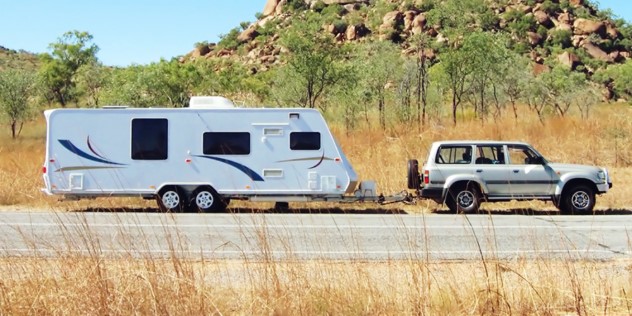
<point x="577" y="200"/>
<point x="463" y="199"/>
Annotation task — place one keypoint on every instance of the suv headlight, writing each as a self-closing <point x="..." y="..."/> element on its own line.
<point x="603" y="175"/>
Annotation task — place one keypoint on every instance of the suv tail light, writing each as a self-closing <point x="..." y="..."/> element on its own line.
<point x="426" y="176"/>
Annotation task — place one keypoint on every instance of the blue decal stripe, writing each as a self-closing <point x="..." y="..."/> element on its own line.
<point x="249" y="172"/>
<point x="72" y="148"/>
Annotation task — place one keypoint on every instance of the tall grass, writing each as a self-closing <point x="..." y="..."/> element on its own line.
<point x="76" y="274"/>
<point x="604" y="139"/>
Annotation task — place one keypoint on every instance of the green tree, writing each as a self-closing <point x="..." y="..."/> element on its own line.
<point x="59" y="68"/>
<point x="455" y="67"/>
<point x="16" y="93"/>
<point x="314" y="65"/>
<point x="377" y="74"/>
<point x="486" y="54"/>
<point x="166" y="83"/>
<point x="90" y="80"/>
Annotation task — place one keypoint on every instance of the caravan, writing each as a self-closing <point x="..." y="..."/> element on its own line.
<point x="196" y="158"/>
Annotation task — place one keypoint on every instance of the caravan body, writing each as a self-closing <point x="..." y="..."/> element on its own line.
<point x="212" y="153"/>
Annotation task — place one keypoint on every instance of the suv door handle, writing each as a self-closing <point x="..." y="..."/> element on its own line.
<point x="479" y="170"/>
<point x="516" y="171"/>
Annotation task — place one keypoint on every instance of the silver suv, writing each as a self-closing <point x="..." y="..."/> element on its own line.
<point x="465" y="173"/>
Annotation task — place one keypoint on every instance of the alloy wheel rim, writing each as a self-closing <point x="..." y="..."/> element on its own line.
<point x="170" y="199"/>
<point x="465" y="199"/>
<point x="580" y="200"/>
<point x="204" y="199"/>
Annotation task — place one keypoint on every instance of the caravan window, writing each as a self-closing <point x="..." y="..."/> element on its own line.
<point x="305" y="141"/>
<point x="226" y="143"/>
<point x="149" y="139"/>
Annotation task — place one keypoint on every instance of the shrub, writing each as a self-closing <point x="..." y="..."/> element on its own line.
<point x="561" y="38"/>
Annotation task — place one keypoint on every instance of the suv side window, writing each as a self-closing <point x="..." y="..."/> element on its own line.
<point x="454" y="155"/>
<point x="521" y="155"/>
<point x="490" y="155"/>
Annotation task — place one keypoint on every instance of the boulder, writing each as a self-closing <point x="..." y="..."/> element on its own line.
<point x="587" y="27"/>
<point x="392" y="19"/>
<point x="341" y="2"/>
<point x="224" y="53"/>
<point x="270" y="7"/>
<point x="409" y="17"/>
<point x="565" y="18"/>
<point x="534" y="38"/>
<point x="248" y="34"/>
<point x="612" y="31"/>
<point x="419" y="23"/>
<point x="576" y="3"/>
<point x="625" y="55"/>
<point x="540" y="69"/>
<point x="564" y="27"/>
<point x="596" y="52"/>
<point x="279" y="7"/>
<point x="542" y="18"/>
<point x="568" y="59"/>
<point x="578" y="40"/>
<point x="355" y="32"/>
<point x="616" y="56"/>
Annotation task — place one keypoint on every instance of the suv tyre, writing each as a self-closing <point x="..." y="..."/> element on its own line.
<point x="577" y="200"/>
<point x="463" y="199"/>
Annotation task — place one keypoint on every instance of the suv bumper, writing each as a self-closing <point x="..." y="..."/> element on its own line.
<point x="435" y="194"/>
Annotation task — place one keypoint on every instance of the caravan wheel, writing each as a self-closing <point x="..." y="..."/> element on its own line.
<point x="170" y="199"/>
<point x="206" y="199"/>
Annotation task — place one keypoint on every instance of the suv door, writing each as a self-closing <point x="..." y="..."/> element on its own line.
<point x="491" y="167"/>
<point x="529" y="176"/>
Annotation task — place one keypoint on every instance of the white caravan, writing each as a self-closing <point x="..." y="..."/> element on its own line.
<point x="195" y="158"/>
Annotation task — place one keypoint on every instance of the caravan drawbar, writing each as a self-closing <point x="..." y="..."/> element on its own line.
<point x="198" y="158"/>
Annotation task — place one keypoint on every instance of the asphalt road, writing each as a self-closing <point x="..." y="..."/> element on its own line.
<point x="316" y="236"/>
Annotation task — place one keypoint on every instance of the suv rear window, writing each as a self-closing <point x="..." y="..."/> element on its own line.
<point x="454" y="155"/>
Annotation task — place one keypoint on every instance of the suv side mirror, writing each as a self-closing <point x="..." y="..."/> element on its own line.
<point x="538" y="160"/>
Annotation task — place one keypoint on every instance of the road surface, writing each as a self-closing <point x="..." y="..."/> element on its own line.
<point x="316" y="236"/>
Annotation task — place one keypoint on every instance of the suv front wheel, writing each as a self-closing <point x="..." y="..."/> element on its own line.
<point x="577" y="200"/>
<point x="463" y="199"/>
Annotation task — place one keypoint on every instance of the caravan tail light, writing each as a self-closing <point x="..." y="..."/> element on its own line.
<point x="426" y="176"/>
<point x="43" y="169"/>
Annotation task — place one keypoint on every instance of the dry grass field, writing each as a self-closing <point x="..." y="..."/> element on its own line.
<point x="94" y="284"/>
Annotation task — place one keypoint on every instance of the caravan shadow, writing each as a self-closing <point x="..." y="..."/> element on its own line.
<point x="241" y="210"/>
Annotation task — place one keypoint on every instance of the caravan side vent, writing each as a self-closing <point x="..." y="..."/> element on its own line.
<point x="294" y="116"/>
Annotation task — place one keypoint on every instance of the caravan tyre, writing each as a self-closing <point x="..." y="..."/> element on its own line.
<point x="170" y="199"/>
<point x="206" y="199"/>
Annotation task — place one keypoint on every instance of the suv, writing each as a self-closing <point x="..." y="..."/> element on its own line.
<point x="465" y="173"/>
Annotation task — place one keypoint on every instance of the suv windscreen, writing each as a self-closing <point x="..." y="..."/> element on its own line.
<point x="454" y="155"/>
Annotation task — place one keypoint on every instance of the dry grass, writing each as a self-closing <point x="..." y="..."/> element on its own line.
<point x="67" y="283"/>
<point x="79" y="285"/>
<point x="605" y="139"/>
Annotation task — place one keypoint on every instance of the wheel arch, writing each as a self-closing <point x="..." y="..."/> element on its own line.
<point x="462" y="183"/>
<point x="575" y="182"/>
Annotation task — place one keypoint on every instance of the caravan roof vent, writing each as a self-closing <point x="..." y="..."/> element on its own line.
<point x="212" y="102"/>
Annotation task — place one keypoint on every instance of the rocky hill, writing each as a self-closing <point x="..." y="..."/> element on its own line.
<point x="572" y="32"/>
<point x="17" y="59"/>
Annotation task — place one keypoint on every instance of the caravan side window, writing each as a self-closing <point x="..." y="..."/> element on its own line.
<point x="149" y="139"/>
<point x="224" y="143"/>
<point x="305" y="141"/>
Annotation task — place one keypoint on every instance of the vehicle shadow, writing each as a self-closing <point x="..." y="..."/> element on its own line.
<point x="243" y="210"/>
<point x="535" y="212"/>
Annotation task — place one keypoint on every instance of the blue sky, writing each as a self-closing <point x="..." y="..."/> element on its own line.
<point x="141" y="31"/>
